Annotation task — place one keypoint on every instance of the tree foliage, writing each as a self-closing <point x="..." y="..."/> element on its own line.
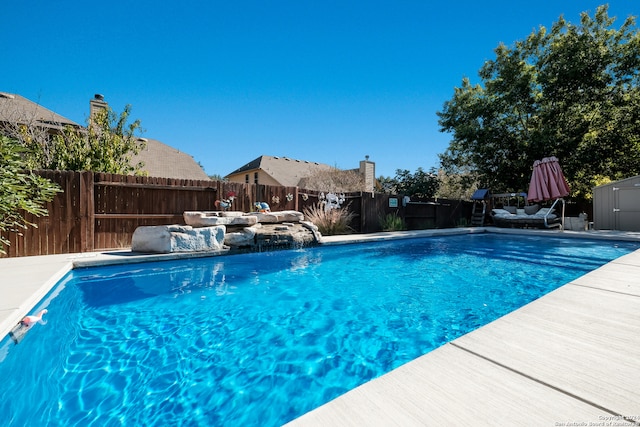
<point x="459" y="186"/>
<point x="108" y="144"/>
<point x="21" y="192"/>
<point x="27" y="126"/>
<point x="571" y="92"/>
<point x="386" y="184"/>
<point x="419" y="184"/>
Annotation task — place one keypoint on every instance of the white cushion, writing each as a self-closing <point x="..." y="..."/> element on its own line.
<point x="500" y="212"/>
<point x="543" y="212"/>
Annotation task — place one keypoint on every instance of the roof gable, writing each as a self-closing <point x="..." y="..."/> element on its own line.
<point x="18" y="109"/>
<point x="286" y="171"/>
<point x="162" y="160"/>
<point x="252" y="165"/>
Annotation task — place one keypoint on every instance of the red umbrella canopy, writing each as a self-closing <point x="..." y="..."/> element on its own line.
<point x="547" y="181"/>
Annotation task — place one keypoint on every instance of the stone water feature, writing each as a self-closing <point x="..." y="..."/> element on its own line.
<point x="228" y="230"/>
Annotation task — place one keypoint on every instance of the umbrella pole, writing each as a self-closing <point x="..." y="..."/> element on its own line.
<point x="561" y="225"/>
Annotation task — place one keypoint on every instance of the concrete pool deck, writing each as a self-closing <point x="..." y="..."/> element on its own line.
<point x="571" y="357"/>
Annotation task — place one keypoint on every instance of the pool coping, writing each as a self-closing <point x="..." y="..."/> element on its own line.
<point x="568" y="357"/>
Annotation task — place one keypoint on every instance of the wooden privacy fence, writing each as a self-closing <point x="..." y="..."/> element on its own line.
<point x="98" y="211"/>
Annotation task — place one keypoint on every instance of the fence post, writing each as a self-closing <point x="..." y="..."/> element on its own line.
<point x="364" y="210"/>
<point x="87" y="212"/>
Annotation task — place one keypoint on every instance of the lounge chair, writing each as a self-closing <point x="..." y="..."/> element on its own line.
<point x="531" y="216"/>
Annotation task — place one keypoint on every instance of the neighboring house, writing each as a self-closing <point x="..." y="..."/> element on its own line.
<point x="274" y="170"/>
<point x="287" y="172"/>
<point x="160" y="160"/>
<point x="163" y="161"/>
<point x="16" y="110"/>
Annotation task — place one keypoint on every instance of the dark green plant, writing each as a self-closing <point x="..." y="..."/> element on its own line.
<point x="462" y="222"/>
<point x="420" y="184"/>
<point x="386" y="184"/>
<point x="392" y="222"/>
<point x="21" y="192"/>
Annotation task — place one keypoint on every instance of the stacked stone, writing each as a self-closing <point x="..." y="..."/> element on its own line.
<point x="217" y="231"/>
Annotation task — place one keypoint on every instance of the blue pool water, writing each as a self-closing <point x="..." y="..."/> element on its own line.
<point x="260" y="339"/>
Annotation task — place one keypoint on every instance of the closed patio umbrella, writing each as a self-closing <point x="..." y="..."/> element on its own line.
<point x="557" y="182"/>
<point x="547" y="181"/>
<point x="539" y="183"/>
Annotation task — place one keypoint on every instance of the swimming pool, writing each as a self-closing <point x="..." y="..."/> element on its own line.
<point x="259" y="339"/>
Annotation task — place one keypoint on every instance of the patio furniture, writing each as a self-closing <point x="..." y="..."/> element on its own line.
<point x="531" y="216"/>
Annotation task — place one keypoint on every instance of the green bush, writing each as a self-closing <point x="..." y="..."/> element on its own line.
<point x="108" y="144"/>
<point x="463" y="222"/>
<point x="21" y="192"/>
<point x="330" y="222"/>
<point x="392" y="222"/>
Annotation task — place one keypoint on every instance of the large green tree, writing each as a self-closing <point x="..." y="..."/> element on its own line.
<point x="572" y="92"/>
<point x="420" y="184"/>
<point x="22" y="192"/>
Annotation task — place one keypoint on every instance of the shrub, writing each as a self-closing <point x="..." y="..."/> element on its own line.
<point x="22" y="192"/>
<point x="392" y="222"/>
<point x="462" y="222"/>
<point x="108" y="144"/>
<point x="330" y="222"/>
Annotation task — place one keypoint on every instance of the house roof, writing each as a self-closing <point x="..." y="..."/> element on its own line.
<point x="17" y="109"/>
<point x="286" y="171"/>
<point x="162" y="160"/>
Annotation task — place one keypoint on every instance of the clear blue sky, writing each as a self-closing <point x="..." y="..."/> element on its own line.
<point x="227" y="81"/>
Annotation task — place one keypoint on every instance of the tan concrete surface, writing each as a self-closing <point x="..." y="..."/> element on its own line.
<point x="450" y="387"/>
<point x="25" y="281"/>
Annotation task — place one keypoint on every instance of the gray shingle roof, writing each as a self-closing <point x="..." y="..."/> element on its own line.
<point x="286" y="171"/>
<point x="161" y="160"/>
<point x="17" y="109"/>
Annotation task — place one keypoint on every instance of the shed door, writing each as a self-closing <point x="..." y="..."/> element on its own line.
<point x="626" y="209"/>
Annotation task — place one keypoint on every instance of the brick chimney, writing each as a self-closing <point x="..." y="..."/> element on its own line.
<point x="368" y="171"/>
<point x="96" y="104"/>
